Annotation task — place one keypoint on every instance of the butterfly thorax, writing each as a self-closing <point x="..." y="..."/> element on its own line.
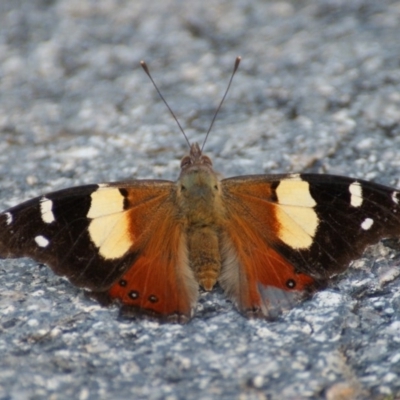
<point x="198" y="190"/>
<point x="199" y="196"/>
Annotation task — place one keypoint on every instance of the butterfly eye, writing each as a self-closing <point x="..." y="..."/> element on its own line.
<point x="186" y="161"/>
<point x="290" y="283"/>
<point x="183" y="188"/>
<point x="206" y="160"/>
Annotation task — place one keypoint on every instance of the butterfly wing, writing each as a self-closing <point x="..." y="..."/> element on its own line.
<point x="119" y="241"/>
<point x="286" y="235"/>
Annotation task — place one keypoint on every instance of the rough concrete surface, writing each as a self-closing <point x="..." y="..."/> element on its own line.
<point x="318" y="90"/>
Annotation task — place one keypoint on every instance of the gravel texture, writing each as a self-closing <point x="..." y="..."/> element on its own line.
<point x="318" y="90"/>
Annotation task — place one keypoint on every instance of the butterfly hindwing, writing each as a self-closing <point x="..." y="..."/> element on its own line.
<point x="160" y="282"/>
<point x="300" y="230"/>
<point x="102" y="237"/>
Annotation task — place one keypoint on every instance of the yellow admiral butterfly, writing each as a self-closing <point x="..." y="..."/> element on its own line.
<point x="268" y="240"/>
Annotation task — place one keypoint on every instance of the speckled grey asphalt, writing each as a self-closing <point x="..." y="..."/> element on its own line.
<point x="318" y="91"/>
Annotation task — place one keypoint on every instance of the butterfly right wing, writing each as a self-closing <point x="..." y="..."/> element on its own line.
<point x="287" y="235"/>
<point x="121" y="241"/>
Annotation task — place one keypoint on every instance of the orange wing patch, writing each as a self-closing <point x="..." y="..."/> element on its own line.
<point x="256" y="277"/>
<point x="259" y="279"/>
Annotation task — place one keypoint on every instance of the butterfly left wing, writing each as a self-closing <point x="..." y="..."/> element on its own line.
<point x="120" y="241"/>
<point x="287" y="235"/>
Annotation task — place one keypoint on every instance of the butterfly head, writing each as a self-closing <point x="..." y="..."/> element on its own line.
<point x="197" y="180"/>
<point x="195" y="159"/>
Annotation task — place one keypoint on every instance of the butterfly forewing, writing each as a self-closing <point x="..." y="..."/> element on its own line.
<point x="351" y="215"/>
<point x="54" y="229"/>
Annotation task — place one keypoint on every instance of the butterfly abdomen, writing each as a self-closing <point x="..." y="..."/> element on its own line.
<point x="204" y="255"/>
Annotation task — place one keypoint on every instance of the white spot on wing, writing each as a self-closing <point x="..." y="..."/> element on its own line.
<point x="295" y="213"/>
<point x="9" y="218"/>
<point x="41" y="241"/>
<point x="46" y="210"/>
<point x="356" y="198"/>
<point x="395" y="197"/>
<point x="367" y="223"/>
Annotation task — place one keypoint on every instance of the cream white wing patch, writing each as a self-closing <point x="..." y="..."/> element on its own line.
<point x="109" y="228"/>
<point x="298" y="221"/>
<point x="106" y="201"/>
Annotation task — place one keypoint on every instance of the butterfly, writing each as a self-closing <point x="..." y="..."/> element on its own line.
<point x="270" y="241"/>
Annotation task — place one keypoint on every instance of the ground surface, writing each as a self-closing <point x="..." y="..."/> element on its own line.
<point x="318" y="90"/>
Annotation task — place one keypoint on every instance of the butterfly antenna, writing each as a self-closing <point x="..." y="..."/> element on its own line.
<point x="236" y="66"/>
<point x="146" y="69"/>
